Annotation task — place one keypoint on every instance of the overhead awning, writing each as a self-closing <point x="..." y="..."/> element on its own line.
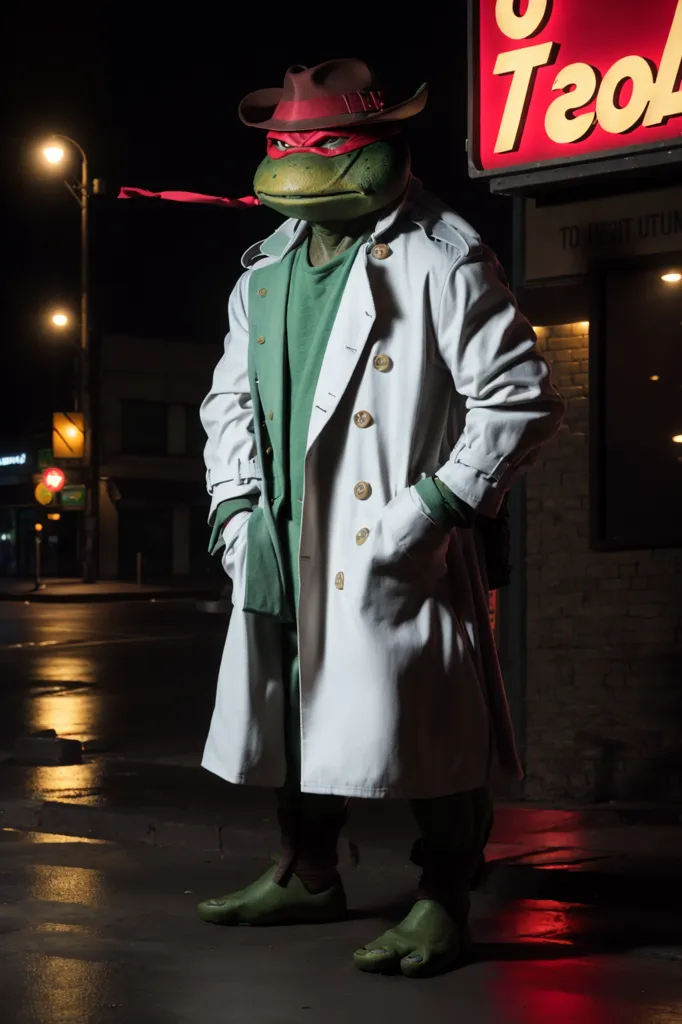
<point x="141" y="492"/>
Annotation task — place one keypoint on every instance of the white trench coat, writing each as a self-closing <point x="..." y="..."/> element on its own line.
<point x="400" y="688"/>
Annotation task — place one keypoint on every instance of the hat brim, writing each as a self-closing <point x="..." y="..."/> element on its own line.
<point x="256" y="110"/>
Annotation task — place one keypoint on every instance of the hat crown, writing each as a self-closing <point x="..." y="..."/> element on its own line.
<point x="333" y="78"/>
<point x="334" y="94"/>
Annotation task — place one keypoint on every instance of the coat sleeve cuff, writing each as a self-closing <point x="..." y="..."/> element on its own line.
<point x="223" y="513"/>
<point x="445" y="508"/>
<point x="230" y="490"/>
<point x="479" y="480"/>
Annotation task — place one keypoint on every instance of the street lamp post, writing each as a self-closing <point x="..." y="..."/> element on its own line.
<point x="54" y="154"/>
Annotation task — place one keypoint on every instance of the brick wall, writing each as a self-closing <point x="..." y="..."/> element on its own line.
<point x="604" y="687"/>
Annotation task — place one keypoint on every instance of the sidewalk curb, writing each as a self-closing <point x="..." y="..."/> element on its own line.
<point x="152" y="595"/>
<point x="505" y="879"/>
<point x="115" y="826"/>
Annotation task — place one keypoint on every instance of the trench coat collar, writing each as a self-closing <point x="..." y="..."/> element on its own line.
<point x="292" y="232"/>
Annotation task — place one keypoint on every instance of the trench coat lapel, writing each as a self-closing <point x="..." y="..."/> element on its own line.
<point x="354" y="321"/>
<point x="268" y="295"/>
<point x="268" y="291"/>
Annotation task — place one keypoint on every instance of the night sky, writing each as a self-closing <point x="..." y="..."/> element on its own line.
<point x="154" y="104"/>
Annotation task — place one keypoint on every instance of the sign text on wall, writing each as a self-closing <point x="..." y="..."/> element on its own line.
<point x="567" y="240"/>
<point x="13" y="460"/>
<point x="559" y="80"/>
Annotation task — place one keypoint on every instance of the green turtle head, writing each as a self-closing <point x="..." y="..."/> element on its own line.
<point x="316" y="188"/>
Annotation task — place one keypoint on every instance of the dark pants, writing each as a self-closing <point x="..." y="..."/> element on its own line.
<point x="453" y="829"/>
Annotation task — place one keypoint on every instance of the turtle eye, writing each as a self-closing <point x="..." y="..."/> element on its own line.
<point x="279" y="144"/>
<point x="333" y="142"/>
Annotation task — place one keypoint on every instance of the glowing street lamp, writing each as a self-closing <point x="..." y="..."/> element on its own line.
<point x="672" y="278"/>
<point x="55" y="151"/>
<point x="54" y="154"/>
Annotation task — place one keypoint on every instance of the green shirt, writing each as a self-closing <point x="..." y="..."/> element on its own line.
<point x="314" y="298"/>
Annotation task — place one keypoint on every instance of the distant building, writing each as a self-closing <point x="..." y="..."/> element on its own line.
<point x="19" y="512"/>
<point x="153" y="496"/>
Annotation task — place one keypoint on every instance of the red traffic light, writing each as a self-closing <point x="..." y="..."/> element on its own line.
<point x="54" y="479"/>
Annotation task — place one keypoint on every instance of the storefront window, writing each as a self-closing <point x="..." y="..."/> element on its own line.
<point x="637" y="409"/>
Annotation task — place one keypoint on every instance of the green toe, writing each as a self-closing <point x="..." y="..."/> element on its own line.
<point x="378" y="958"/>
<point x="265" y="902"/>
<point x="425" y="943"/>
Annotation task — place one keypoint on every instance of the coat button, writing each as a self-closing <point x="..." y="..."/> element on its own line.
<point x="383" y="363"/>
<point x="363" y="419"/>
<point x="262" y="292"/>
<point x="362" y="535"/>
<point x="362" y="490"/>
<point x="261" y="340"/>
<point x="339" y="580"/>
<point x="271" y="415"/>
<point x="381" y="251"/>
<point x="268" y="451"/>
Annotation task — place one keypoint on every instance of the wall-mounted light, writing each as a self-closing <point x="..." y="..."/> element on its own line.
<point x="673" y="277"/>
<point x="677" y="439"/>
<point x="654" y="376"/>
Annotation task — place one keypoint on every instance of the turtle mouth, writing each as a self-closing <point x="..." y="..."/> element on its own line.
<point x="302" y="197"/>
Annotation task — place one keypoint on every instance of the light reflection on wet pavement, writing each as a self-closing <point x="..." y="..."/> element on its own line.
<point x="69" y="783"/>
<point x="149" y="703"/>
<point x="93" y="933"/>
<point x="123" y="675"/>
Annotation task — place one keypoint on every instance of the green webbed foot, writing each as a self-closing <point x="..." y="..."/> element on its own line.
<point x="265" y="902"/>
<point x="426" y="942"/>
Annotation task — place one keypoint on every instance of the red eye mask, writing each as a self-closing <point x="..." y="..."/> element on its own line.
<point x="297" y="142"/>
<point x="318" y="141"/>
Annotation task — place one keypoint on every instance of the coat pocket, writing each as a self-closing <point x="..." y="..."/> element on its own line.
<point x="407" y="560"/>
<point x="415" y="535"/>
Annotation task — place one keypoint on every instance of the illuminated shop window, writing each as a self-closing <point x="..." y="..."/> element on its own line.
<point x="637" y="409"/>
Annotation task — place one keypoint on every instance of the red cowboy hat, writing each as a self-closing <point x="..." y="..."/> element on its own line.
<point x="330" y="95"/>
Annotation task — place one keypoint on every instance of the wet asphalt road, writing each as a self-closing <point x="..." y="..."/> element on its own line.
<point x="94" y="933"/>
<point x="136" y="676"/>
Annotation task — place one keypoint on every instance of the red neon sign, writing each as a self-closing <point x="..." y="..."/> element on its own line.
<point x="560" y="80"/>
<point x="53" y="479"/>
